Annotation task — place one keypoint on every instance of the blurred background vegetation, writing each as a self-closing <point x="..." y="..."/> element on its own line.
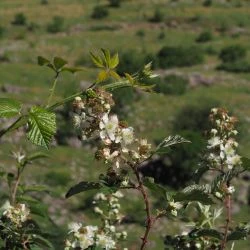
<point x="199" y="49"/>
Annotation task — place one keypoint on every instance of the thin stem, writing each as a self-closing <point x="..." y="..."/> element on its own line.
<point x="14" y="190"/>
<point x="228" y="220"/>
<point x="52" y="91"/>
<point x="149" y="220"/>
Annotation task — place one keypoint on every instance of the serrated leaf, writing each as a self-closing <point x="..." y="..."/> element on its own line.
<point x="42" y="61"/>
<point x="238" y="234"/>
<point x="156" y="188"/>
<point x="130" y="78"/>
<point x="170" y="141"/>
<point x="194" y="194"/>
<point x="102" y="76"/>
<point x="199" y="172"/>
<point x="97" y="60"/>
<point x="38" y="239"/>
<point x="72" y="69"/>
<point x="81" y="187"/>
<point x="59" y="63"/>
<point x="114" y="61"/>
<point x="114" y="74"/>
<point x="36" y="155"/>
<point x="106" y="54"/>
<point x="42" y="126"/>
<point x="9" y="107"/>
<point x="212" y="233"/>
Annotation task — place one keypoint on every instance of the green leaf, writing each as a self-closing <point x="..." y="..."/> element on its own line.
<point x="97" y="60"/>
<point x="169" y="141"/>
<point x="37" y="155"/>
<point x="245" y="163"/>
<point x="114" y="61"/>
<point x="35" y="188"/>
<point x="114" y="74"/>
<point x="42" y="126"/>
<point x="194" y="193"/>
<point x="238" y="234"/>
<point x="206" y="232"/>
<point x="9" y="107"/>
<point x="59" y="63"/>
<point x="156" y="188"/>
<point x="41" y="241"/>
<point x="199" y="172"/>
<point x="106" y="54"/>
<point x="42" y="61"/>
<point x="81" y="187"/>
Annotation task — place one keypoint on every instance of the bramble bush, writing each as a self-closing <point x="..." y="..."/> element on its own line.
<point x="123" y="153"/>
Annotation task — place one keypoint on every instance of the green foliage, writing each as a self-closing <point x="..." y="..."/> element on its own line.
<point x="42" y="126"/>
<point x="81" y="187"/>
<point x="171" y="85"/>
<point x="99" y="12"/>
<point x="158" y="16"/>
<point x="2" y="31"/>
<point x="56" y="25"/>
<point x="205" y="36"/>
<point x="9" y="107"/>
<point x="191" y="194"/>
<point x="162" y="148"/>
<point x="115" y="3"/>
<point x="169" y="57"/>
<point x="20" y="19"/>
<point x="239" y="66"/>
<point x="44" y="2"/>
<point x="208" y="3"/>
<point x="232" y="53"/>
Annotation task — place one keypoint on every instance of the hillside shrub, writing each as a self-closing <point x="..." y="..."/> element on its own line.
<point x="44" y="2"/>
<point x="207" y="3"/>
<point x="115" y="3"/>
<point x="232" y="53"/>
<point x="240" y="66"/>
<point x="99" y="12"/>
<point x="171" y="85"/>
<point x="205" y="36"/>
<point x="2" y="31"/>
<point x="169" y="57"/>
<point x="19" y="19"/>
<point x="157" y="17"/>
<point x="56" y="25"/>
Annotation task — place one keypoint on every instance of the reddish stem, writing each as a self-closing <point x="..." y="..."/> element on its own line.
<point x="228" y="220"/>
<point x="150" y="220"/>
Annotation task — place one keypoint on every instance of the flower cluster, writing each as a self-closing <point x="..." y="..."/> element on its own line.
<point x="93" y="119"/>
<point x="17" y="214"/>
<point x="222" y="144"/>
<point x="104" y="237"/>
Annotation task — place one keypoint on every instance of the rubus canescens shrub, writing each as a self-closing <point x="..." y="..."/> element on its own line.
<point x="123" y="153"/>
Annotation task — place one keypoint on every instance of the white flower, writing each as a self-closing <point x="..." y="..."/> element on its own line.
<point x="74" y="227"/>
<point x="98" y="210"/>
<point x="198" y="245"/>
<point x="214" y="131"/>
<point x="127" y="135"/>
<point x="118" y="194"/>
<point x="233" y="160"/>
<point x="230" y="189"/>
<point x="109" y="126"/>
<point x="100" y="196"/>
<point x="85" y="241"/>
<point x="213" y="142"/>
<point x="105" y="241"/>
